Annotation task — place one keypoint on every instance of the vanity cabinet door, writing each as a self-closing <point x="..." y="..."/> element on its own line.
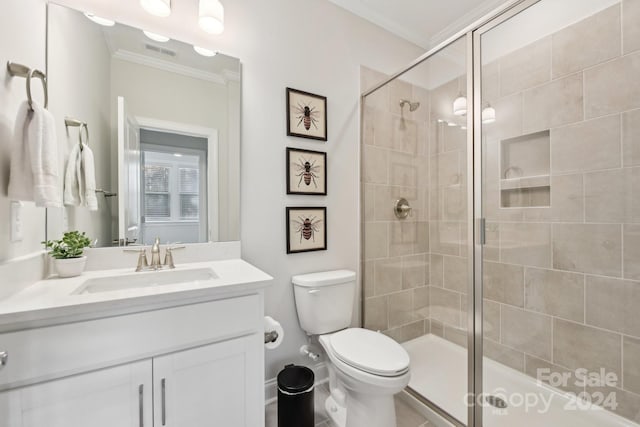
<point x="220" y="384"/>
<point x="10" y="409"/>
<point x="119" y="396"/>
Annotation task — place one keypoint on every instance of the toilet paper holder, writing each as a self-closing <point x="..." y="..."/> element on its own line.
<point x="270" y="337"/>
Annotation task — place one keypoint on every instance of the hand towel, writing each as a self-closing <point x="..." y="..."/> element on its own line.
<point x="20" y="174"/>
<point x="34" y="159"/>
<point x="73" y="196"/>
<point x="44" y="164"/>
<point x="89" y="179"/>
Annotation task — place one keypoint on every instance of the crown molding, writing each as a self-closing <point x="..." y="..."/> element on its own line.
<point x="463" y="21"/>
<point x="231" y="75"/>
<point x="357" y="7"/>
<point x="160" y="64"/>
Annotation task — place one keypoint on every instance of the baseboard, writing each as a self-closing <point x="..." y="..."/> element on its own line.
<point x="271" y="386"/>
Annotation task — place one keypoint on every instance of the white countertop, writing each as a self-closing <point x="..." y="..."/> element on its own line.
<point x="53" y="301"/>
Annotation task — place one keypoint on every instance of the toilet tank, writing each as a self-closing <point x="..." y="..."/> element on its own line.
<point x="324" y="300"/>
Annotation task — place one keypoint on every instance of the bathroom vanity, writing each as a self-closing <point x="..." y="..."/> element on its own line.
<point x="183" y="351"/>
<point x="116" y="348"/>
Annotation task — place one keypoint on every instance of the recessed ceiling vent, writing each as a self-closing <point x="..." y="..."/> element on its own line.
<point x="160" y="50"/>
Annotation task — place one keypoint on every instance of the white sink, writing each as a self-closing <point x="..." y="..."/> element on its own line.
<point x="145" y="279"/>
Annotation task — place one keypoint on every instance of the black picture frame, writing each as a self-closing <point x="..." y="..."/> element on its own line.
<point x="311" y="168"/>
<point x="302" y="123"/>
<point x="297" y="240"/>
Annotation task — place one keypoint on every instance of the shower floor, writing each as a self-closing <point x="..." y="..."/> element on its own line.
<point x="439" y="373"/>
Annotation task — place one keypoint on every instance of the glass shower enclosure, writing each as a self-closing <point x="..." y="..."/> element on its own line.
<point x="501" y="216"/>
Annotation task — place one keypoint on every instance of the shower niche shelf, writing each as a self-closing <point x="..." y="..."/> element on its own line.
<point x="525" y="162"/>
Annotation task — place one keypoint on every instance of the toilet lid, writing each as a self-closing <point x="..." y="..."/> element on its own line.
<point x="370" y="351"/>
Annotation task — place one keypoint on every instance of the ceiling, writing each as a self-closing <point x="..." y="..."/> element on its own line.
<point x="422" y="22"/>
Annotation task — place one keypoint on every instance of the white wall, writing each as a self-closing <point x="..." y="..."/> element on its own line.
<point x="22" y="40"/>
<point x="317" y="47"/>
<point x="311" y="45"/>
<point x="79" y="79"/>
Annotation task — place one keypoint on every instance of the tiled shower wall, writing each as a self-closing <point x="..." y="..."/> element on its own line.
<point x="414" y="269"/>
<point x="395" y="252"/>
<point x="562" y="283"/>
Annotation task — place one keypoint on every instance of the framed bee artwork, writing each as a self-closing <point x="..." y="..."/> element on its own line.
<point x="306" y="115"/>
<point x="306" y="229"/>
<point x="306" y="172"/>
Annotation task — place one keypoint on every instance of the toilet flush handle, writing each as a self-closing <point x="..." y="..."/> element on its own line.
<point x="314" y="291"/>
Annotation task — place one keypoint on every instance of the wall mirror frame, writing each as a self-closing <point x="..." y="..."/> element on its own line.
<point x="162" y="120"/>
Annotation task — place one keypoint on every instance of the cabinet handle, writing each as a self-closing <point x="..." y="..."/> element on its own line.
<point x="163" y="386"/>
<point x="141" y="405"/>
<point x="4" y="356"/>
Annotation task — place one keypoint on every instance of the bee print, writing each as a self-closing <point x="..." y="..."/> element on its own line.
<point x="307" y="171"/>
<point x="307" y="227"/>
<point x="306" y="115"/>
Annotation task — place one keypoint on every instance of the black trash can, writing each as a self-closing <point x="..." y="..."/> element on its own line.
<point x="295" y="397"/>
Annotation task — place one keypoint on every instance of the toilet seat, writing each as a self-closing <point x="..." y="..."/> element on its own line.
<point x="372" y="381"/>
<point x="370" y="352"/>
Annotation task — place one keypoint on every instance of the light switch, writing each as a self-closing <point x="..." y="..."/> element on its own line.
<point x="16" y="221"/>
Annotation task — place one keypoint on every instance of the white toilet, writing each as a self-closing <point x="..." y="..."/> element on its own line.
<point x="366" y="368"/>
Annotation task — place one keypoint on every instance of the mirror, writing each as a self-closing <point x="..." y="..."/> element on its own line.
<point x="162" y="122"/>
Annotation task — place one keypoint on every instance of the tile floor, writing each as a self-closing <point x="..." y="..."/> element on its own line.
<point x="406" y="416"/>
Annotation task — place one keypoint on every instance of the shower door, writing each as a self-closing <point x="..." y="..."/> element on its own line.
<point x="557" y="138"/>
<point x="416" y="267"/>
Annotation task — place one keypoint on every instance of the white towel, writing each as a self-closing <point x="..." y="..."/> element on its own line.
<point x="20" y="175"/>
<point x="80" y="178"/>
<point x="89" y="179"/>
<point x="73" y="196"/>
<point x="34" y="159"/>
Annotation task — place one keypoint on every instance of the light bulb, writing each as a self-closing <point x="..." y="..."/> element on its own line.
<point x="160" y="8"/>
<point x="204" y="52"/>
<point x="460" y="105"/>
<point x="156" y="37"/>
<point x="488" y="114"/>
<point x="99" y="20"/>
<point x="211" y="16"/>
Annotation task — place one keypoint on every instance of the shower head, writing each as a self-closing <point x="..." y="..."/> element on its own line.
<point x="413" y="106"/>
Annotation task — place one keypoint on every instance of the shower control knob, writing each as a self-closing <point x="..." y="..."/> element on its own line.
<point x="402" y="209"/>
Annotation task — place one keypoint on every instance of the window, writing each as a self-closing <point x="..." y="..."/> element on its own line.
<point x="171" y="186"/>
<point x="157" y="200"/>
<point x="189" y="194"/>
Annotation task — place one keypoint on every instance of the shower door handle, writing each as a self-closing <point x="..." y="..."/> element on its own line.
<point x="482" y="236"/>
<point x="163" y="386"/>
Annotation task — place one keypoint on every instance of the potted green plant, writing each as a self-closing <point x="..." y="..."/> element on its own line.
<point x="67" y="253"/>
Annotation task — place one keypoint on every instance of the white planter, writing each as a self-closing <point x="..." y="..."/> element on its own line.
<point x="70" y="267"/>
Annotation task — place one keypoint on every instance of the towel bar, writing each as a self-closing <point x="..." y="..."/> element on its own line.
<point x="19" y="70"/>
<point x="106" y="193"/>
<point x="69" y="121"/>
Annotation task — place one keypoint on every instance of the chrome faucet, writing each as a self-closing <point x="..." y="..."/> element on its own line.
<point x="155" y="255"/>
<point x="143" y="263"/>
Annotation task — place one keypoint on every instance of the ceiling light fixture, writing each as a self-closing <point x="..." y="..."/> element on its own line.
<point x="156" y="37"/>
<point x="205" y="52"/>
<point x="211" y="16"/>
<point x="460" y="105"/>
<point x="488" y="114"/>
<point x="99" y="20"/>
<point x="160" y="8"/>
